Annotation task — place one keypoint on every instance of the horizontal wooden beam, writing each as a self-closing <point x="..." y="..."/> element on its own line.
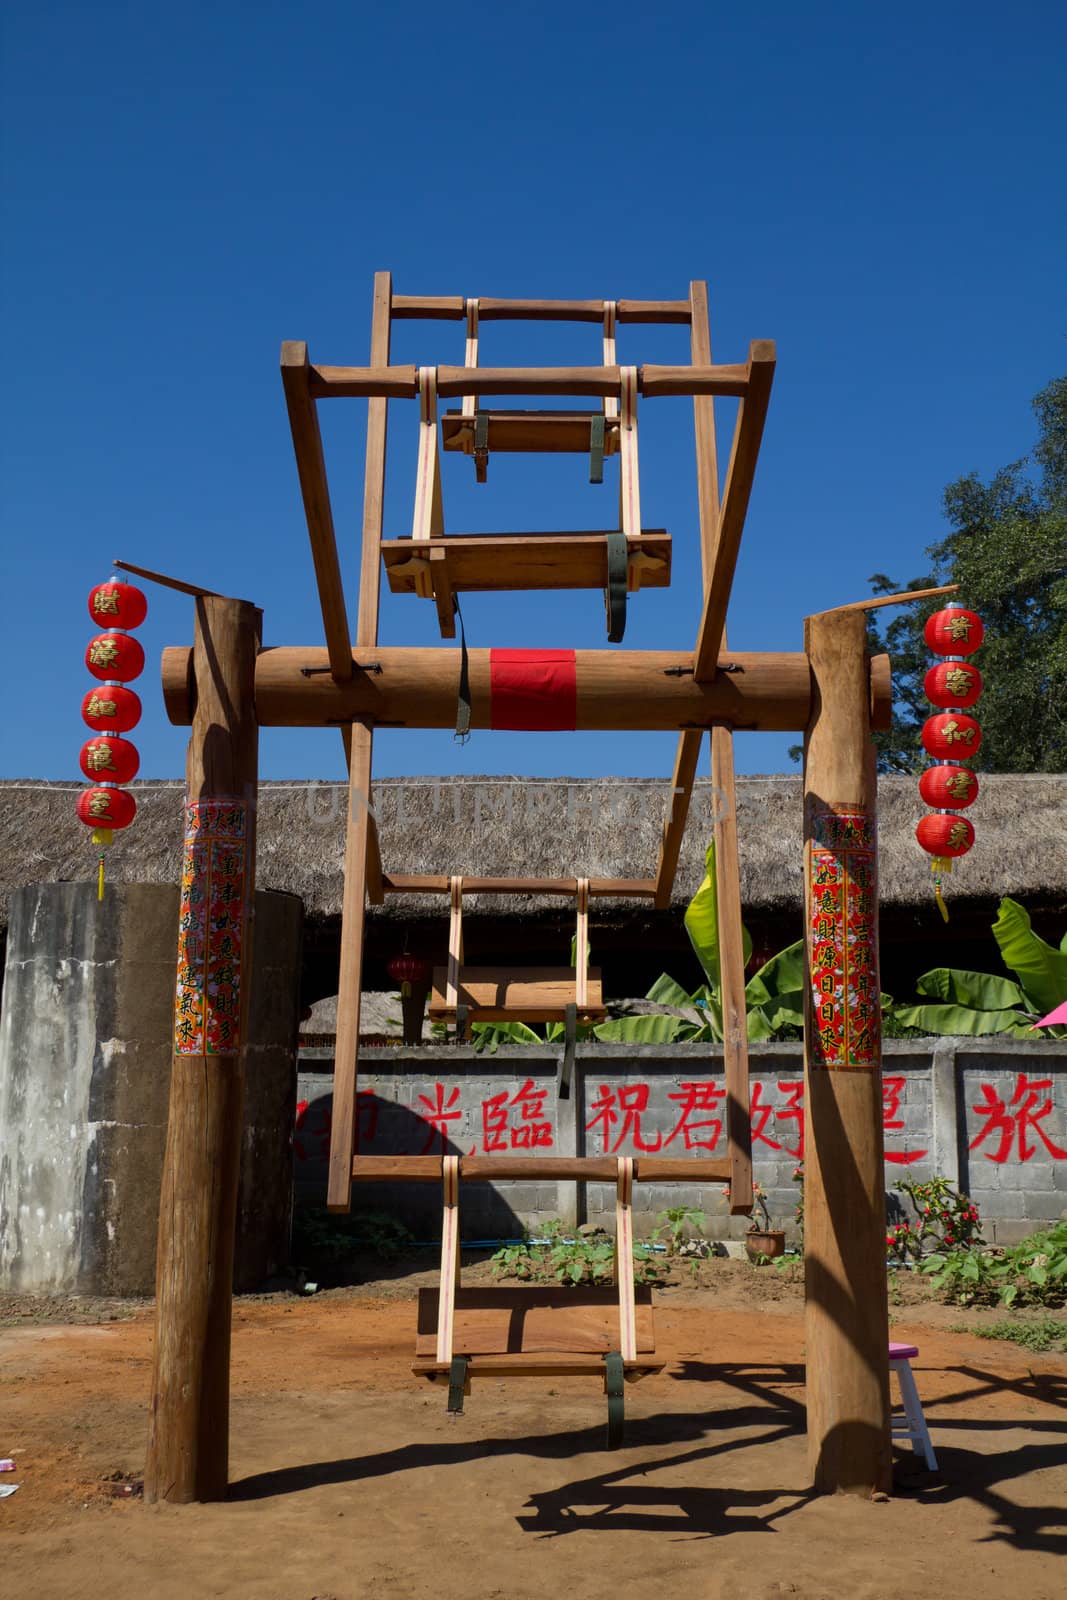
<point x="401" y="382"/>
<point x="599" y="888"/>
<point x="685" y="769"/>
<point x="453" y="308"/>
<point x="418" y="687"/>
<point x="490" y="1169"/>
<point x="659" y="382"/>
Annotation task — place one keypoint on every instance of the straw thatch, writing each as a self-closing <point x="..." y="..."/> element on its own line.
<point x="546" y="827"/>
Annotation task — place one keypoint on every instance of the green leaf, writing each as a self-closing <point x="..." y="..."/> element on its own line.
<point x="784" y="974"/>
<point x="1041" y="970"/>
<point x="666" y="992"/>
<point x="962" y="1021"/>
<point x="702" y="924"/>
<point x="759" y="1024"/>
<point x="656" y="1029"/>
<point x="984" y="991"/>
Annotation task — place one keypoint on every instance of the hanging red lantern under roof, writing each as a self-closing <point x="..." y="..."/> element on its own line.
<point x="945" y="836"/>
<point x="117" y="605"/>
<point x="945" y="787"/>
<point x="951" y="734"/>
<point x="105" y="809"/>
<point x="407" y="970"/>
<point x="107" y="759"/>
<point x="955" y="631"/>
<point x="111" y="710"/>
<point x="953" y="683"/>
<point x="114" y="656"/>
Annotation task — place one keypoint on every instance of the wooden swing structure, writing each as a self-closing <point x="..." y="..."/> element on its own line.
<point x="227" y="686"/>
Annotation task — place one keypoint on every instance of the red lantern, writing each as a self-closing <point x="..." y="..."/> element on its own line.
<point x="117" y="605"/>
<point x="112" y="710"/>
<point x="951" y="734"/>
<point x="114" y="656"/>
<point x="948" y="787"/>
<point x="953" y="683"/>
<point x="945" y="836"/>
<point x="406" y="970"/>
<point x="954" y="632"/>
<point x="108" y="760"/>
<point x="105" y="808"/>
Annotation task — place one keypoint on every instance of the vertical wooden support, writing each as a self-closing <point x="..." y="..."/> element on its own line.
<point x="581" y="948"/>
<point x="350" y="981"/>
<point x="455" y="941"/>
<point x="624" y="1259"/>
<point x="732" y="973"/>
<point x="446" y="1295"/>
<point x="370" y="574"/>
<point x="846" y="1315"/>
<point x="188" y="1434"/>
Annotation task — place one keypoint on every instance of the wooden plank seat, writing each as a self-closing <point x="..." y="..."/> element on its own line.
<point x="497" y="561"/>
<point x="529" y="432"/>
<point x="526" y="994"/>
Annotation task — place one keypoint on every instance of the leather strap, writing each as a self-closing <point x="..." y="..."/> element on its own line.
<point x="615" y="593"/>
<point x="614" y="1388"/>
<point x="570" y="1040"/>
<point x="463" y="707"/>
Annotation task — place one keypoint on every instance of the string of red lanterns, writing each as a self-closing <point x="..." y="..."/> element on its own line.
<point x="950" y="736"/>
<point x="111" y="709"/>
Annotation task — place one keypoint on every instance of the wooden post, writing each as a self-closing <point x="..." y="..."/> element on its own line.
<point x="188" y="1435"/>
<point x="350" y="976"/>
<point x="846" y="1315"/>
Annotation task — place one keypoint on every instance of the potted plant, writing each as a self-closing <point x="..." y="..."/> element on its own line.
<point x="763" y="1241"/>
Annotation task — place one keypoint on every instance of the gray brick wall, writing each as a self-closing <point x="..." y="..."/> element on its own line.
<point x="992" y="1117"/>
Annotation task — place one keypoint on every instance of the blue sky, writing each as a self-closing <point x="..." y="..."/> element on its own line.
<point x="878" y="189"/>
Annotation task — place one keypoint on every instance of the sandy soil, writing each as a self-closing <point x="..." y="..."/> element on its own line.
<point x="349" y="1479"/>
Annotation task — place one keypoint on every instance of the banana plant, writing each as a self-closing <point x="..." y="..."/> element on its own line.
<point x="975" y="1003"/>
<point x="774" y="995"/>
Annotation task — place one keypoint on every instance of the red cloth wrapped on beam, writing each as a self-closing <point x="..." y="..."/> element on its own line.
<point x="533" y="691"/>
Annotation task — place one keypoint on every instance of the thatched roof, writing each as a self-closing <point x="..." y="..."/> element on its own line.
<point x="545" y="827"/>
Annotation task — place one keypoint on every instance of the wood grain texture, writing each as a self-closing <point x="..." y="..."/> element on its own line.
<point x="314" y="489"/>
<point x="528" y="994"/>
<point x="350" y="977"/>
<point x="591" y="1169"/>
<point x="602" y="888"/>
<point x="846" y="1314"/>
<point x="188" y="1435"/>
<point x="452" y="308"/>
<point x="417" y="687"/>
<point x="374" y="471"/>
<point x="748" y="434"/>
<point x="533" y="1365"/>
<point x="484" y="562"/>
<point x="528" y="432"/>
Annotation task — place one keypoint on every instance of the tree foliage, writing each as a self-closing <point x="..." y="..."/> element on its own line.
<point x="1008" y="551"/>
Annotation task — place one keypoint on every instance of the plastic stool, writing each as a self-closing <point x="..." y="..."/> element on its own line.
<point x="910" y="1423"/>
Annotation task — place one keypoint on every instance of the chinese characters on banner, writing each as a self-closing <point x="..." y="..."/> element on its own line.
<point x="208" y="999"/>
<point x="846" y="1010"/>
<point x="635" y="1117"/>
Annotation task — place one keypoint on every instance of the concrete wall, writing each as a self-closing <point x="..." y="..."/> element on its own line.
<point x="85" y="1052"/>
<point x="989" y="1115"/>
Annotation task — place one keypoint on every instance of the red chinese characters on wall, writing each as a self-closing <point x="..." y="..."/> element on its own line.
<point x="1008" y="1124"/>
<point x="516" y="1122"/>
<point x="207" y="1001"/>
<point x="843" y="934"/>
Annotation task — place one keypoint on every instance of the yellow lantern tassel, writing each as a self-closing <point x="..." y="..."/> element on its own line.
<point x="102" y="837"/>
<point x="940" y="865"/>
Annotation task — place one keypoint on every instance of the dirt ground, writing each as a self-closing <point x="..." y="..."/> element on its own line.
<point x="348" y="1479"/>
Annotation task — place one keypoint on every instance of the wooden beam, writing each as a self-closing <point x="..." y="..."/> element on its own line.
<point x="163" y="579"/>
<point x="846" y="1316"/>
<point x="350" y="982"/>
<point x="374" y="474"/>
<point x="417" y="687"/>
<point x="488" y="562"/>
<point x="903" y="598"/>
<point x="311" y="466"/>
<point x="599" y="888"/>
<point x="452" y="308"/>
<point x="489" y="1169"/>
<point x="401" y="383"/>
<point x="751" y="416"/>
<point x="685" y="769"/>
<point x="188" y="1436"/>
